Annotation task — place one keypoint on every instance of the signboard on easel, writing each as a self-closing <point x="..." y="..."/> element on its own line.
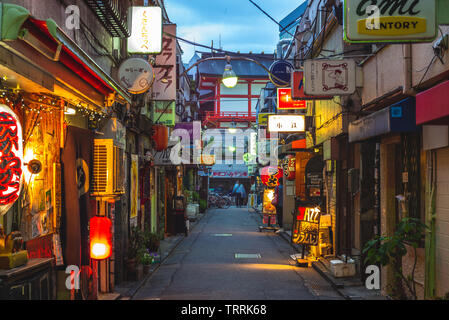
<point x="306" y="229"/>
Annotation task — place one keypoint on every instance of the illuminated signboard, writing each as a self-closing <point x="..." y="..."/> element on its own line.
<point x="268" y="207"/>
<point x="146" y="30"/>
<point x="285" y="101"/>
<point x="389" y="21"/>
<point x="286" y="123"/>
<point x="306" y="228"/>
<point x="11" y="158"/>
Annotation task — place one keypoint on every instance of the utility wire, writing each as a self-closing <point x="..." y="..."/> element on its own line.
<point x="263" y="57"/>
<point x="271" y="18"/>
<point x="427" y="70"/>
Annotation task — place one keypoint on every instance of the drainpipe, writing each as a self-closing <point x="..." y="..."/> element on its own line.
<point x="407" y="88"/>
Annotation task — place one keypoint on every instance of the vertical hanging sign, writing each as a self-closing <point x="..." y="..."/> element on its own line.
<point x="164" y="88"/>
<point x="146" y="30"/>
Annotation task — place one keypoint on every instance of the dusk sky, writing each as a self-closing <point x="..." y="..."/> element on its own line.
<point x="241" y="25"/>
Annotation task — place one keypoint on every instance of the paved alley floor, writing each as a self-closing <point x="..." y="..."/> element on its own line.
<point x="226" y="258"/>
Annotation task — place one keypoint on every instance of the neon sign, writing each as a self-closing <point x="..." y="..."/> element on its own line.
<point x="11" y="158"/>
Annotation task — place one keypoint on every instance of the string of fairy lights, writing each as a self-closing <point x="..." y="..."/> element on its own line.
<point x="36" y="105"/>
<point x="40" y="103"/>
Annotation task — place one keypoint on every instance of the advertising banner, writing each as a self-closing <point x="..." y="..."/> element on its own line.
<point x="390" y="21"/>
<point x="285" y="100"/>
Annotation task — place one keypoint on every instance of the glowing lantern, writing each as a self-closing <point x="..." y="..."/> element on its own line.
<point x="11" y="158"/>
<point x="290" y="167"/>
<point x="160" y="137"/>
<point x="100" y="238"/>
<point x="270" y="176"/>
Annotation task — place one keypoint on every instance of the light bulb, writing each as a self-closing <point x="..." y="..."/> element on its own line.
<point x="230" y="79"/>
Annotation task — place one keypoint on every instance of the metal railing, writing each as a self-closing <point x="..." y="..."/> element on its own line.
<point x="113" y="14"/>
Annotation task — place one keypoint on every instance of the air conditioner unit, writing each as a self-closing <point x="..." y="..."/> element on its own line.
<point x="108" y="169"/>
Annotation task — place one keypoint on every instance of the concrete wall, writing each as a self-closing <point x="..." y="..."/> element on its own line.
<point x="421" y="57"/>
<point x="382" y="73"/>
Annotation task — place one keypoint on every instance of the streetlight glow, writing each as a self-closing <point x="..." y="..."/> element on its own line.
<point x="230" y="79"/>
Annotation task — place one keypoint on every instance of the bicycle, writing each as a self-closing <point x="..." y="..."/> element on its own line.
<point x="221" y="202"/>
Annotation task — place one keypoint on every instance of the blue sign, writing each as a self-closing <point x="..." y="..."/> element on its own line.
<point x="283" y="71"/>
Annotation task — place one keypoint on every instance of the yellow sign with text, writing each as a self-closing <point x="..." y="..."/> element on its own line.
<point x="392" y="26"/>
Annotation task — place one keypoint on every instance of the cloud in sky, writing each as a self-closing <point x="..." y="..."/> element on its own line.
<point x="239" y="24"/>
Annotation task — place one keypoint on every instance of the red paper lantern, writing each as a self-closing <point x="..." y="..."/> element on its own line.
<point x="160" y="137"/>
<point x="100" y="238"/>
<point x="290" y="167"/>
<point x="11" y="158"/>
<point x="270" y="176"/>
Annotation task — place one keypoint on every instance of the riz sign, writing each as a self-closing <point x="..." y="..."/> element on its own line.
<point x="371" y="21"/>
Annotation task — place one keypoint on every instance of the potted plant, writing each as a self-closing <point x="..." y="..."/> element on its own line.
<point x="146" y="259"/>
<point x="151" y="241"/>
<point x="134" y="245"/>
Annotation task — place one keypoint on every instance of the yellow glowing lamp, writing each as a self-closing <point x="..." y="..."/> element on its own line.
<point x="230" y="79"/>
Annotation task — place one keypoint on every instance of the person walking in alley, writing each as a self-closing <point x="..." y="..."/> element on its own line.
<point x="235" y="194"/>
<point x="241" y="192"/>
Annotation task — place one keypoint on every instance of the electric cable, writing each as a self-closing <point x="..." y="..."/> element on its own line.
<point x="271" y="18"/>
<point x="427" y="70"/>
<point x="263" y="57"/>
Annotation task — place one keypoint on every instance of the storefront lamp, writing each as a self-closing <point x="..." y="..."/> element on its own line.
<point x="70" y="111"/>
<point x="100" y="238"/>
<point x="230" y="79"/>
<point x="34" y="166"/>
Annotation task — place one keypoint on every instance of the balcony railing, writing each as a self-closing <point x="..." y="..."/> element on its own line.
<point x="113" y="14"/>
<point x="212" y="116"/>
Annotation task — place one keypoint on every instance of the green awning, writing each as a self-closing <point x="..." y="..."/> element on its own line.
<point x="12" y="21"/>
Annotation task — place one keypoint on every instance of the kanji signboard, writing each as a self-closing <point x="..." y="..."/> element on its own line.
<point x="11" y="158"/>
<point x="146" y="30"/>
<point x="164" y="87"/>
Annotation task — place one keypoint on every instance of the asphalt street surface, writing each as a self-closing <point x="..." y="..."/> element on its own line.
<point x="225" y="257"/>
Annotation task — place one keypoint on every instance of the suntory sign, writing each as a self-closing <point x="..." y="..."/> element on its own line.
<point x="390" y="21"/>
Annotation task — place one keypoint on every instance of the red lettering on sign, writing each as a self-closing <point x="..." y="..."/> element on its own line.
<point x="10" y="161"/>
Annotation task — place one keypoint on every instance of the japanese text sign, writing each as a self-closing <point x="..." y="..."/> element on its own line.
<point x="146" y="30"/>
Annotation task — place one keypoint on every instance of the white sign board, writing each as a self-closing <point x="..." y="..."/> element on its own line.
<point x="165" y="69"/>
<point x="146" y="30"/>
<point x="389" y="21"/>
<point x="286" y="123"/>
<point x="329" y="77"/>
<point x="136" y="75"/>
